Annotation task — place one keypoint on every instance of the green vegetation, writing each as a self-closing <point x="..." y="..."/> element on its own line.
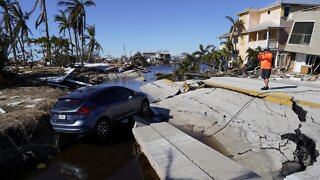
<point x="236" y="28"/>
<point x="56" y="49"/>
<point x="4" y="49"/>
<point x="220" y="60"/>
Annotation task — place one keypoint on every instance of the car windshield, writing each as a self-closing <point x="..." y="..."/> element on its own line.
<point x="68" y="104"/>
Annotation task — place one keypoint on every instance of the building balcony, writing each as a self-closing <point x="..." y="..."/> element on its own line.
<point x="272" y="44"/>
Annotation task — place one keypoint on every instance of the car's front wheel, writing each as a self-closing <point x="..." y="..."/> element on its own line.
<point x="103" y="129"/>
<point x="145" y="107"/>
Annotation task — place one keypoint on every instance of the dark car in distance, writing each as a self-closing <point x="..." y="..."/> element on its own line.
<point x="95" y="109"/>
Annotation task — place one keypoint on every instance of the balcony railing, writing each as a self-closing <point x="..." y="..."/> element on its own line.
<point x="300" y="38"/>
<point x="272" y="44"/>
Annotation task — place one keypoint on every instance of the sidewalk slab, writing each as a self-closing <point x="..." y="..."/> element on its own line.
<point x="279" y="92"/>
<point x="175" y="155"/>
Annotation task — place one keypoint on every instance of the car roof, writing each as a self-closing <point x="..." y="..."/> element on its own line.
<point x="88" y="92"/>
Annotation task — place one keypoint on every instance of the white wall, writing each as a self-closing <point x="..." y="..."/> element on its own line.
<point x="300" y="60"/>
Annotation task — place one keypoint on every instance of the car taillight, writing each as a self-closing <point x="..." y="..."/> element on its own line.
<point x="84" y="110"/>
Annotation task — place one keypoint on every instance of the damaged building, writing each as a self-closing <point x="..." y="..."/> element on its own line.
<point x="290" y="28"/>
<point x="304" y="41"/>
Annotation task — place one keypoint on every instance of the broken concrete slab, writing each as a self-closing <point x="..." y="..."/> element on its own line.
<point x="175" y="155"/>
<point x="161" y="89"/>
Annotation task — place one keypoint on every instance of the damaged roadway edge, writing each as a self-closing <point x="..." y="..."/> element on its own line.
<point x="273" y="97"/>
<point x="305" y="153"/>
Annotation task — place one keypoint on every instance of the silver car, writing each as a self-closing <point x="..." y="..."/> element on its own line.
<point x="95" y="109"/>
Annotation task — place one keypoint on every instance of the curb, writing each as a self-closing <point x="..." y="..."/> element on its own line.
<point x="273" y="97"/>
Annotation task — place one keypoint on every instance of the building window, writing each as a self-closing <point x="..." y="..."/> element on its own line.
<point x="235" y="40"/>
<point x="301" y="33"/>
<point x="286" y="11"/>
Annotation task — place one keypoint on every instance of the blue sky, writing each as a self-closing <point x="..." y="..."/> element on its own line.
<point x="150" y="25"/>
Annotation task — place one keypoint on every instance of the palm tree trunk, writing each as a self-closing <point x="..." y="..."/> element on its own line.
<point x="70" y="41"/>
<point x="82" y="47"/>
<point x="21" y="41"/>
<point x="13" y="42"/>
<point x="76" y="43"/>
<point x="47" y="32"/>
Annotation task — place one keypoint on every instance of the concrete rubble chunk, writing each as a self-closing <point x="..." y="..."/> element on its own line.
<point x="175" y="155"/>
<point x="161" y="89"/>
<point x="2" y="111"/>
<point x="2" y="98"/>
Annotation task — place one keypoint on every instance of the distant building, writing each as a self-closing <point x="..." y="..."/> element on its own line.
<point x="157" y="57"/>
<point x="268" y="27"/>
<point x="304" y="40"/>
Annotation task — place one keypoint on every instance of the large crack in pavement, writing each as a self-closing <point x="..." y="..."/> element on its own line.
<point x="301" y="113"/>
<point x="304" y="155"/>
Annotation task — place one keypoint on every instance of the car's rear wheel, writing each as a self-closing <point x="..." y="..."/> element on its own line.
<point x="145" y="108"/>
<point x="103" y="129"/>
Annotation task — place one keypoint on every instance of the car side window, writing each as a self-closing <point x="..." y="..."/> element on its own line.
<point x="122" y="92"/>
<point x="108" y="94"/>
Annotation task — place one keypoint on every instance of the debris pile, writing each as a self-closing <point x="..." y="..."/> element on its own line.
<point x="24" y="140"/>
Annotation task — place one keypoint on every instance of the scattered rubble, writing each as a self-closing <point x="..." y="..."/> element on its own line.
<point x="25" y="132"/>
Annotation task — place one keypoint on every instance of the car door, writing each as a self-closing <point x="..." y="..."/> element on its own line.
<point x="126" y="100"/>
<point x="110" y="104"/>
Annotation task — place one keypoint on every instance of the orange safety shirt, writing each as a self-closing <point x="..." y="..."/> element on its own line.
<point x="266" y="60"/>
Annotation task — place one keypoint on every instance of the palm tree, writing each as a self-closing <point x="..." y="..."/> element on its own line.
<point x="203" y="51"/>
<point x="43" y="18"/>
<point x="225" y="56"/>
<point x="252" y="56"/>
<point x="215" y="57"/>
<point x="192" y="61"/>
<point x="64" y="25"/>
<point x="236" y="28"/>
<point x="21" y="29"/>
<point x="93" y="44"/>
<point x="8" y="25"/>
<point x="4" y="49"/>
<point x="203" y="54"/>
<point x="77" y="17"/>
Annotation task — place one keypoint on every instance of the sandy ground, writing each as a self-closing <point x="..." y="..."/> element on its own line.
<point x="251" y="130"/>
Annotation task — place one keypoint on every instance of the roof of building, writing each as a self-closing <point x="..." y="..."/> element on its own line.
<point x="226" y="35"/>
<point x="263" y="26"/>
<point x="280" y="2"/>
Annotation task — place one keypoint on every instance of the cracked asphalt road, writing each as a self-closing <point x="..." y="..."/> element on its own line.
<point x="251" y="132"/>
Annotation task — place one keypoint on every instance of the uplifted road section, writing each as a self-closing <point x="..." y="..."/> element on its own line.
<point x="175" y="155"/>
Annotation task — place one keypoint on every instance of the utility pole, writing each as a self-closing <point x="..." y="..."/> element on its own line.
<point x="124" y="50"/>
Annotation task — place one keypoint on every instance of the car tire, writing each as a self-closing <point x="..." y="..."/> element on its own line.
<point x="145" y="108"/>
<point x="103" y="129"/>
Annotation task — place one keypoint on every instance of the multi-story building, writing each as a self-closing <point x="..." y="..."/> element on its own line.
<point x="268" y="27"/>
<point x="304" y="40"/>
<point x="157" y="57"/>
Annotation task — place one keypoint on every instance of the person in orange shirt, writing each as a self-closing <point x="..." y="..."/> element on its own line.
<point x="266" y="65"/>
